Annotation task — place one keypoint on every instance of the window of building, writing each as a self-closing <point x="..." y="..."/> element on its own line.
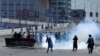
<point x="31" y="11"/>
<point x="84" y="13"/>
<point x="4" y="13"/>
<point x="11" y="14"/>
<point x="61" y="8"/>
<point x="54" y="13"/>
<point x="19" y="14"/>
<point x="96" y="14"/>
<point x="24" y="2"/>
<point x="11" y="7"/>
<point x="31" y="14"/>
<point x="24" y="7"/>
<point x="4" y="2"/>
<point x="59" y="17"/>
<point x="18" y="2"/>
<point x="4" y="7"/>
<point x="68" y="8"/>
<point x="31" y="3"/>
<point x="69" y="4"/>
<point x="53" y="3"/>
<point x="17" y="7"/>
<point x="55" y="17"/>
<point x="91" y="14"/>
<point x="61" y="3"/>
<point x="54" y="8"/>
<point x="3" y="10"/>
<point x="31" y="7"/>
<point x="11" y="2"/>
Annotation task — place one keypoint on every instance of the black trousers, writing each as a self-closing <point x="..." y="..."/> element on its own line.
<point x="90" y="49"/>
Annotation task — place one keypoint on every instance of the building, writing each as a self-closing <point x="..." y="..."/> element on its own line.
<point x="17" y="9"/>
<point x="91" y="8"/>
<point x="59" y="10"/>
<point x="27" y="10"/>
<point x="34" y="10"/>
<point x="77" y="15"/>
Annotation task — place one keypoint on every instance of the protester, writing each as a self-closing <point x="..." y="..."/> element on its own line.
<point x="50" y="44"/>
<point x="15" y="35"/>
<point x="75" y="43"/>
<point x="90" y="43"/>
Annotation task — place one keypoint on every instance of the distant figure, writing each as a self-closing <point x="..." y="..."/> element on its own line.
<point x="50" y="44"/>
<point x="24" y="35"/>
<point x="28" y="29"/>
<point x="42" y="26"/>
<point x="15" y="35"/>
<point x="33" y="35"/>
<point x="75" y="43"/>
<point x="46" y="27"/>
<point x="12" y="29"/>
<point x="29" y="36"/>
<point x="90" y="43"/>
<point x="19" y="35"/>
<point x="41" y="35"/>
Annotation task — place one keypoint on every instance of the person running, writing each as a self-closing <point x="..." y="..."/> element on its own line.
<point x="50" y="44"/>
<point x="90" y="43"/>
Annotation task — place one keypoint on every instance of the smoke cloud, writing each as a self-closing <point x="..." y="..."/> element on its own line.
<point x="82" y="30"/>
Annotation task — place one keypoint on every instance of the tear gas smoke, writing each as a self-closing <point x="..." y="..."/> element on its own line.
<point x="82" y="30"/>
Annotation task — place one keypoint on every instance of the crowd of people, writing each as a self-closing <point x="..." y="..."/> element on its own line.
<point x="28" y="35"/>
<point x="23" y="35"/>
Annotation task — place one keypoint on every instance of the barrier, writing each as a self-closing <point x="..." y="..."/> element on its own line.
<point x="12" y="42"/>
